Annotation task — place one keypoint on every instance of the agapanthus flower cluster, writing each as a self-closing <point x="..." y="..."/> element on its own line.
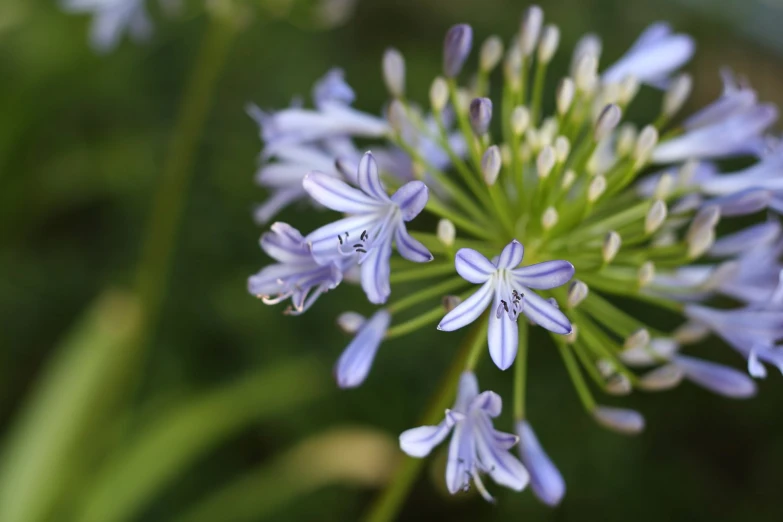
<point x="546" y="219"/>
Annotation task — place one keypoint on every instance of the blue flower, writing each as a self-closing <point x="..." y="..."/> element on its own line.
<point x="355" y="362"/>
<point x="545" y="480"/>
<point x="476" y="447"/>
<point x="111" y="19"/>
<point x="374" y="222"/>
<point x="507" y="288"/>
<point x="733" y="125"/>
<point x="297" y="274"/>
<point x="653" y="57"/>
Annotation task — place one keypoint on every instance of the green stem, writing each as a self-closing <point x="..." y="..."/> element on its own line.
<point x="479" y="343"/>
<point x="388" y="504"/>
<point x="169" y="200"/>
<point x="427" y="293"/>
<point x="520" y="373"/>
<point x="423" y="272"/>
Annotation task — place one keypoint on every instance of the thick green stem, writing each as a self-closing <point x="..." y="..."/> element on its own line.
<point x="520" y="373"/>
<point x="169" y="200"/>
<point x="389" y="502"/>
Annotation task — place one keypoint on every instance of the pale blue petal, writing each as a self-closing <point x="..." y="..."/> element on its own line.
<point x="284" y="243"/>
<point x="655" y="55"/>
<point x="543" y="276"/>
<point x="338" y="195"/>
<point x="419" y="442"/>
<point x="369" y="179"/>
<point x="544" y="314"/>
<point x="545" y="480"/>
<point x="505" y="469"/>
<point x="467" y="390"/>
<point x="468" y="310"/>
<point x="461" y="457"/>
<point x="503" y="336"/>
<point x="745" y="239"/>
<point x="748" y="201"/>
<point x="375" y="273"/>
<point x="472" y="266"/>
<point x="487" y="402"/>
<point x="409" y="247"/>
<point x="511" y="255"/>
<point x="355" y="362"/>
<point x="276" y="202"/>
<point x="411" y="198"/>
<point x="717" y="378"/>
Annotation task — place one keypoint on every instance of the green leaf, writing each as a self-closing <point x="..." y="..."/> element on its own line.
<point x="355" y="456"/>
<point x="171" y="443"/>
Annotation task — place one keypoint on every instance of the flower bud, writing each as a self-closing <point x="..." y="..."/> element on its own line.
<point x="491" y="162"/>
<point x="562" y="149"/>
<point x="545" y="161"/>
<point x="480" y="115"/>
<point x="520" y="119"/>
<point x="663" y="188"/>
<point x="564" y="96"/>
<point x="626" y="138"/>
<point x="550" y="39"/>
<point x="655" y="217"/>
<point x="533" y="139"/>
<point x="588" y="44"/>
<point x="618" y="384"/>
<point x="450" y="302"/>
<point x="596" y="188"/>
<point x="491" y="53"/>
<point x="627" y="89"/>
<point x="639" y="339"/>
<point x="439" y="94"/>
<point x="548" y="131"/>
<point x="586" y="74"/>
<point x="570" y="337"/>
<point x="646" y="274"/>
<point x="690" y="332"/>
<point x="686" y="173"/>
<point x="648" y="139"/>
<point x="612" y="243"/>
<point x="706" y="218"/>
<point x="397" y="116"/>
<point x="700" y="242"/>
<point x="456" y="48"/>
<point x="512" y="67"/>
<point x="568" y="179"/>
<point x="676" y="94"/>
<point x="627" y="422"/>
<point x="393" y="66"/>
<point x="577" y="292"/>
<point x="532" y="21"/>
<point x="549" y="218"/>
<point x="607" y="121"/>
<point x="662" y="378"/>
<point x="446" y="232"/>
<point x="350" y="322"/>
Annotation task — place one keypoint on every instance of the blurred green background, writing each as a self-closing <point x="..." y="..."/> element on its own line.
<point x="221" y="408"/>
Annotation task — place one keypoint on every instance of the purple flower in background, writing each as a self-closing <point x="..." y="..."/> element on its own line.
<point x="655" y="55"/>
<point x="476" y="447"/>
<point x="545" y="480"/>
<point x="355" y="362"/>
<point x="112" y="18"/>
<point x="733" y="125"/>
<point x="507" y="289"/>
<point x="374" y="222"/>
<point x="296" y="274"/>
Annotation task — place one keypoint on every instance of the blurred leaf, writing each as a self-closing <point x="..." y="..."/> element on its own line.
<point x="39" y="453"/>
<point x="175" y="440"/>
<point x="347" y="455"/>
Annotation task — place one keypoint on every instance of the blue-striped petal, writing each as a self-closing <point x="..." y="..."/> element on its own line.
<point x="409" y="247"/>
<point x="375" y="273"/>
<point x="511" y="255"/>
<point x="472" y="266"/>
<point x="355" y="362"/>
<point x="545" y="314"/>
<point x="338" y="195"/>
<point x="369" y="179"/>
<point x="419" y="442"/>
<point x="411" y="198"/>
<point x="502" y="336"/>
<point x="717" y="378"/>
<point x="543" y="276"/>
<point x="468" y="310"/>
